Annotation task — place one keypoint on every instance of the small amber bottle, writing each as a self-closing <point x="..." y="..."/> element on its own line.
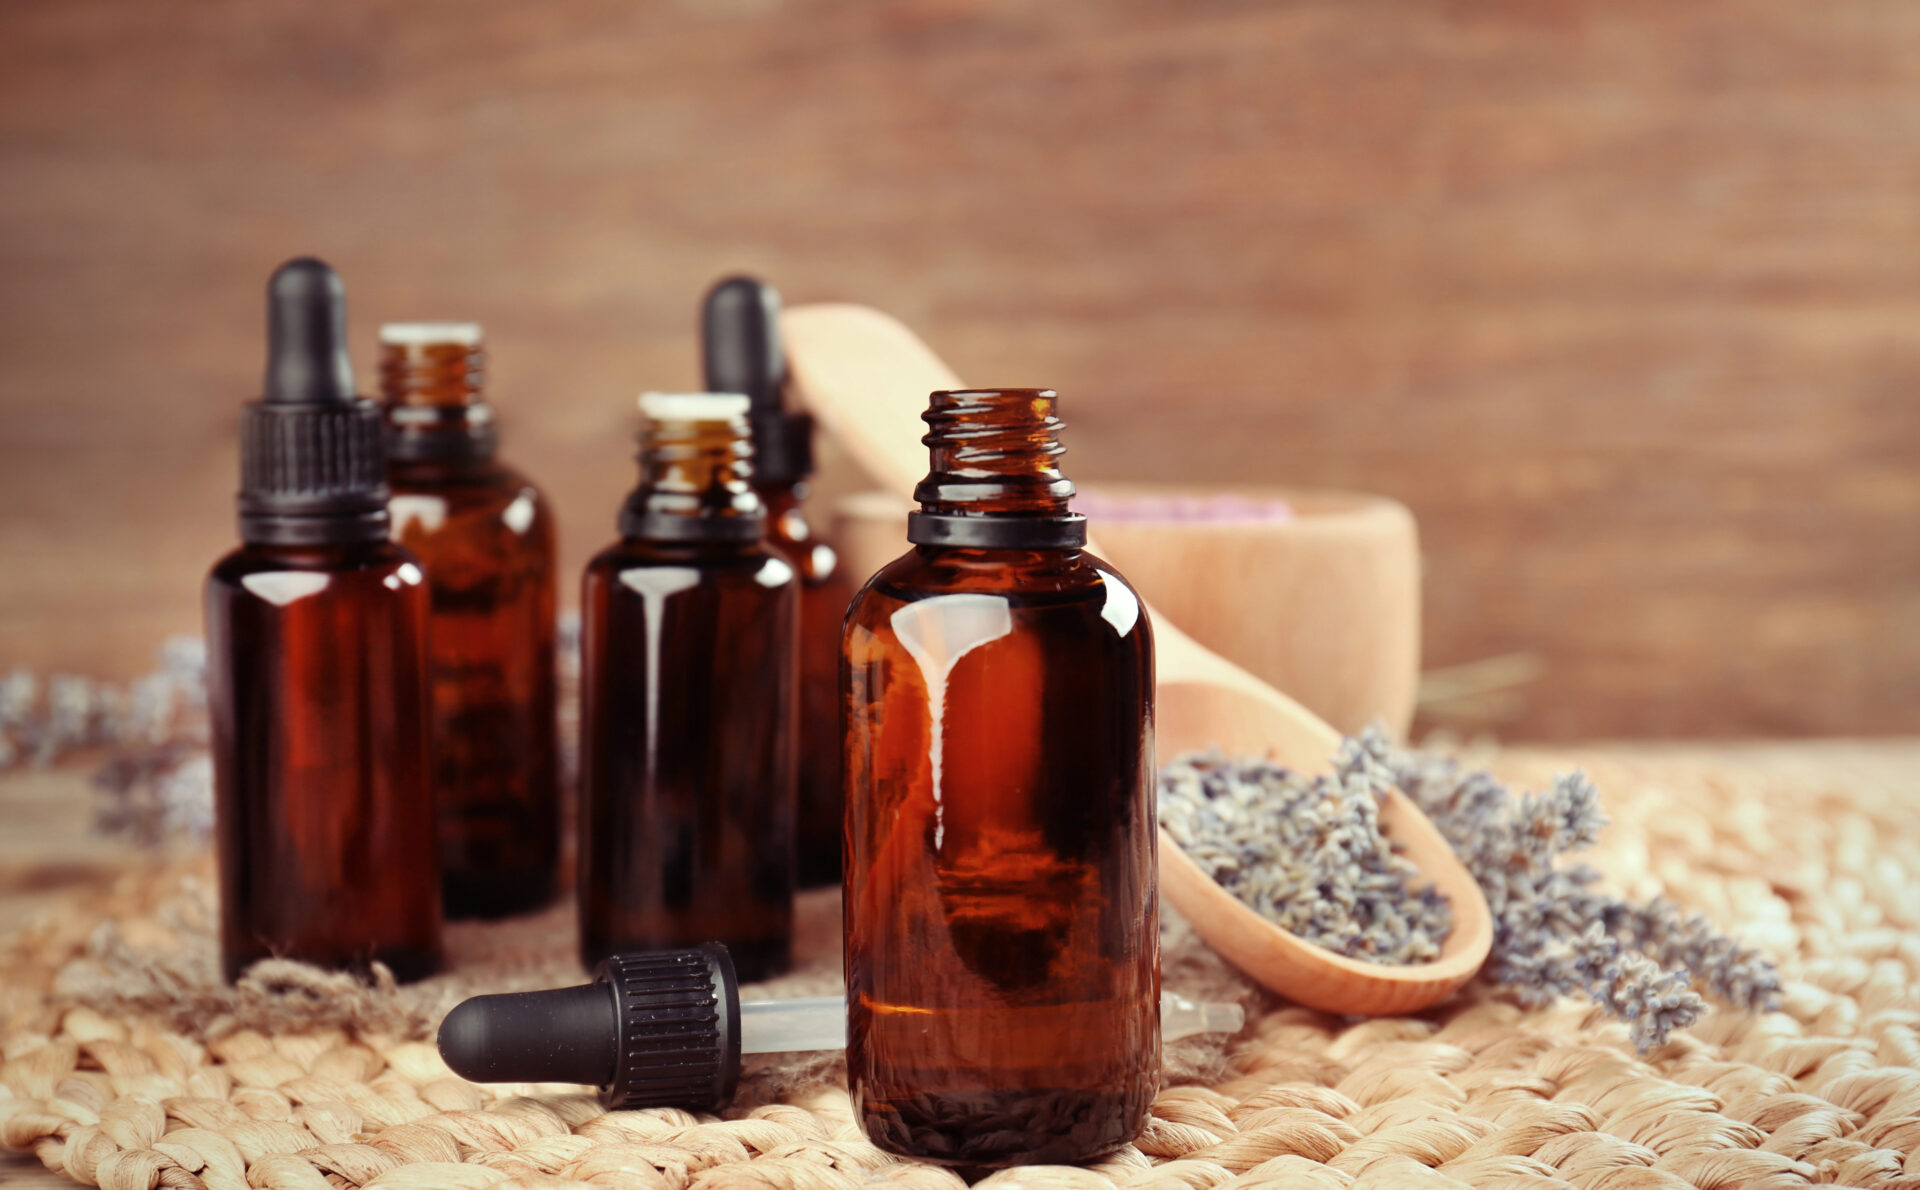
<point x="688" y="687"/>
<point x="316" y="669"/>
<point x="1002" y="956"/>
<point x="486" y="538"/>
<point x="741" y="353"/>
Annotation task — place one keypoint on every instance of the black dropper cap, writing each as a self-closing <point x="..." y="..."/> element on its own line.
<point x="741" y="353"/>
<point x="312" y="459"/>
<point x="654" y="1029"/>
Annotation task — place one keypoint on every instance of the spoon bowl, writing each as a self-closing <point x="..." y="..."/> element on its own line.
<point x="1195" y="715"/>
<point x="866" y="377"/>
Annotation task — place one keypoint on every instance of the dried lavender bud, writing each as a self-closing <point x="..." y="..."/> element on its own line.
<point x="1739" y="975"/>
<point x="1554" y="934"/>
<point x="155" y="779"/>
<point x="1307" y="853"/>
<point x="80" y="713"/>
<point x="19" y="721"/>
<point x="184" y="798"/>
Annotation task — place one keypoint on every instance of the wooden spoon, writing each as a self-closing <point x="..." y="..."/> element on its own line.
<point x="866" y="377"/>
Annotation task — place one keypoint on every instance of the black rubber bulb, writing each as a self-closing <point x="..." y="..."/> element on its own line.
<point x="653" y="1029"/>
<point x="307" y="361"/>
<point x="740" y="352"/>
<point x="566" y="1035"/>
<point x="740" y="341"/>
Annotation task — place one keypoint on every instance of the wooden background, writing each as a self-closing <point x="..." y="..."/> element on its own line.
<point x="1622" y="297"/>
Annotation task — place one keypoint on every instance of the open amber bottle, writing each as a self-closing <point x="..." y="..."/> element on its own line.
<point x="741" y="352"/>
<point x="316" y="674"/>
<point x="486" y="537"/>
<point x="687" y="715"/>
<point x="1002" y="928"/>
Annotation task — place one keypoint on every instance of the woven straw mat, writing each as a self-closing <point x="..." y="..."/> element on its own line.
<point x="127" y="1065"/>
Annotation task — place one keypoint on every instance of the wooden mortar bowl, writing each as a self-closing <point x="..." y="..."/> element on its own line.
<point x="1324" y="604"/>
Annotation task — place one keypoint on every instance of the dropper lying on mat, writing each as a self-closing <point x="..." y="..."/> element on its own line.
<point x="667" y="1028"/>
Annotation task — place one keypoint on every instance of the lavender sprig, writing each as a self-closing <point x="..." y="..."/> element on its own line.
<point x="156" y="780"/>
<point x="1308" y="854"/>
<point x="1554" y="932"/>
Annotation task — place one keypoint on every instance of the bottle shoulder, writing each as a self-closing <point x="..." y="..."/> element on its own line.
<point x="505" y="507"/>
<point x="925" y="571"/>
<point x="721" y="562"/>
<point x="791" y="534"/>
<point x="814" y="560"/>
<point x="1027" y="579"/>
<point x="517" y="485"/>
<point x="378" y="555"/>
<point x="278" y="573"/>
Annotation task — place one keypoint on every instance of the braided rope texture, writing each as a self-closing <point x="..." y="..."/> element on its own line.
<point x="1813" y="853"/>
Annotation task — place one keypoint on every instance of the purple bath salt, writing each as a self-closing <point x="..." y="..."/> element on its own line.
<point x="1212" y="509"/>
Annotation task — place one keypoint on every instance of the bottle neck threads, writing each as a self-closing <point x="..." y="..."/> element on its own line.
<point x="993" y="478"/>
<point x="696" y="472"/>
<point x="431" y="387"/>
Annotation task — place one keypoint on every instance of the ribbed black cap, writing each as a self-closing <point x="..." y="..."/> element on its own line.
<point x="654" y="1029"/>
<point x="679" y="1022"/>
<point x="741" y="352"/>
<point x="312" y="454"/>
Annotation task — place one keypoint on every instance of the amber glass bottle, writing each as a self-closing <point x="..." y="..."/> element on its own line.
<point x="316" y="667"/>
<point x="687" y="717"/>
<point x="1002" y="928"/>
<point x="741" y="353"/>
<point x="486" y="538"/>
<point x="824" y="595"/>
